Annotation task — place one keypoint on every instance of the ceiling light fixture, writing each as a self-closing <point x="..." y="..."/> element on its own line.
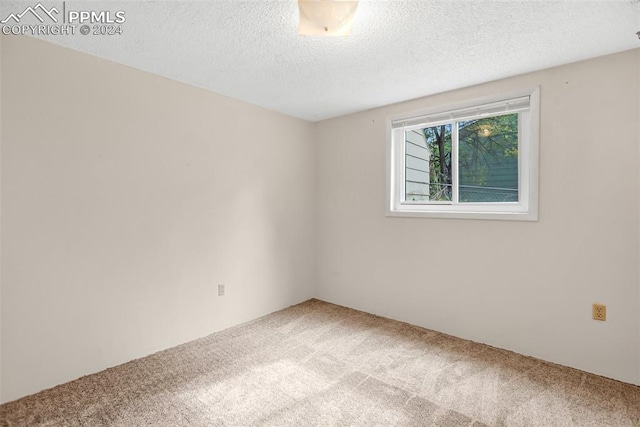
<point x="326" y="17"/>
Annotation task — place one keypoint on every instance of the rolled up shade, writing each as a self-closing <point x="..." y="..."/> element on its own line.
<point x="491" y="109"/>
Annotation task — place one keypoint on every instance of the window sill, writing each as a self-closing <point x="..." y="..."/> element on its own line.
<point x="502" y="216"/>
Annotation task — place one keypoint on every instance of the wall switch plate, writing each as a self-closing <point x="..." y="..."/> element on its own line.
<point x="600" y="312"/>
<point x="220" y="290"/>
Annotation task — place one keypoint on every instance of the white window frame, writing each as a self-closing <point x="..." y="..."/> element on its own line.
<point x="526" y="209"/>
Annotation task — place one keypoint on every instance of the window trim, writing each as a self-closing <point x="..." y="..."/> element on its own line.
<point x="528" y="160"/>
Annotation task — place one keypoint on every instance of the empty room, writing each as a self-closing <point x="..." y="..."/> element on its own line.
<point x="320" y="213"/>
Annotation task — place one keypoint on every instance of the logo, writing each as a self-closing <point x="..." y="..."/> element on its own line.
<point x="33" y="11"/>
<point x="46" y="20"/>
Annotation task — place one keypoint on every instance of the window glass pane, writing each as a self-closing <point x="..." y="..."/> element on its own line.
<point x="428" y="164"/>
<point x="488" y="159"/>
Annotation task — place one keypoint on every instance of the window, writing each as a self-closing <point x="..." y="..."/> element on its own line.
<point x="473" y="160"/>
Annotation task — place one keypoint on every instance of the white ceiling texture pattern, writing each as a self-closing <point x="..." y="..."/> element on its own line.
<point x="398" y="50"/>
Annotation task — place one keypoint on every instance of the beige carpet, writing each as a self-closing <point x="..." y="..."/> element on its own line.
<point x="321" y="364"/>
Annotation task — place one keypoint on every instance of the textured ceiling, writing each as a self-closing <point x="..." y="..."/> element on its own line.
<point x="398" y="50"/>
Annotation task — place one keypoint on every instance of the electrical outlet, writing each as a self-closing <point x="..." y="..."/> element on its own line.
<point x="599" y="312"/>
<point x="220" y="290"/>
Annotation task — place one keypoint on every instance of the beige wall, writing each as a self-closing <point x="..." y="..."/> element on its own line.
<point x="126" y="199"/>
<point x="1" y="220"/>
<point x="524" y="286"/>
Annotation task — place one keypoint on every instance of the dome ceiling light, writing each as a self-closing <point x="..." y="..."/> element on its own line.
<point x="326" y="17"/>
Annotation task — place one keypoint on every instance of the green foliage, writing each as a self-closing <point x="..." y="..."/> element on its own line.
<point x="439" y="142"/>
<point x="487" y="147"/>
<point x="487" y="156"/>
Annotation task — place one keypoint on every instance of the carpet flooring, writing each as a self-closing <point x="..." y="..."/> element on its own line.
<point x="318" y="364"/>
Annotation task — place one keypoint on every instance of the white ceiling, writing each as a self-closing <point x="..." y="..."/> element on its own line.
<point x="399" y="50"/>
